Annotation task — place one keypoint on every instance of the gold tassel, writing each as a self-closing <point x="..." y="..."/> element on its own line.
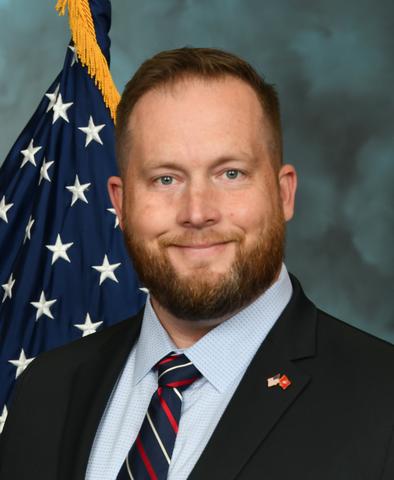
<point x="88" y="50"/>
<point x="61" y="6"/>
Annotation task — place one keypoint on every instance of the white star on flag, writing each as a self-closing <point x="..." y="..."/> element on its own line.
<point x="92" y="132"/>
<point x="78" y="191"/>
<point x="3" y="418"/>
<point x="75" y="57"/>
<point x="52" y="97"/>
<point x="60" y="109"/>
<point x="107" y="270"/>
<point x="28" y="154"/>
<point x="88" y="327"/>
<point x="28" y="228"/>
<point x="43" y="306"/>
<point x="8" y="288"/>
<point x="112" y="210"/>
<point x="44" y="171"/>
<point x="21" y="363"/>
<point x="4" y="207"/>
<point x="59" y="250"/>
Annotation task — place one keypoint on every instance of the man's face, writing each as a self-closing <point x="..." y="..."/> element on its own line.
<point x="201" y="206"/>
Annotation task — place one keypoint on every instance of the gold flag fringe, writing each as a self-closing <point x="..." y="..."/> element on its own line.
<point x="88" y="50"/>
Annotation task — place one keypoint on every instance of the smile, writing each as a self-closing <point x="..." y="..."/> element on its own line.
<point x="202" y="249"/>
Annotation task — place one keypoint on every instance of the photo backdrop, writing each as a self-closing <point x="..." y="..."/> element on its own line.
<point x="332" y="63"/>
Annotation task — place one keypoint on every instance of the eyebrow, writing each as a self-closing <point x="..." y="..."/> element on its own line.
<point x="171" y="165"/>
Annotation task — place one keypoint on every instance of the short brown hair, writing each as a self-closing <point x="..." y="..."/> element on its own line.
<point x="170" y="66"/>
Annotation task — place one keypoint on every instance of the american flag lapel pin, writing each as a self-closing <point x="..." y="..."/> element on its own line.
<point x="273" y="381"/>
<point x="282" y="380"/>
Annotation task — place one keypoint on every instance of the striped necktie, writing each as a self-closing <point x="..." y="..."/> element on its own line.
<point x="150" y="456"/>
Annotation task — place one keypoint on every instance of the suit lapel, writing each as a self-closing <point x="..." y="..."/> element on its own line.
<point x="90" y="391"/>
<point x="255" y="408"/>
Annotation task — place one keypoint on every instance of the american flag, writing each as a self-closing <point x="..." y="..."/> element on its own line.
<point x="64" y="270"/>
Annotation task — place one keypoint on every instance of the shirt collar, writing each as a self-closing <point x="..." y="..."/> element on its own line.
<point x="153" y="344"/>
<point x="225" y="351"/>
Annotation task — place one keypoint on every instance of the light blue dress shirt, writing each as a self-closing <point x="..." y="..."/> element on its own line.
<point x="222" y="356"/>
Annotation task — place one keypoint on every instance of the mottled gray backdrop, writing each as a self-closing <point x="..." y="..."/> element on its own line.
<point x="332" y="62"/>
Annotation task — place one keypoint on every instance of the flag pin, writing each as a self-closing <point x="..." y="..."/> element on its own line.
<point x="278" y="379"/>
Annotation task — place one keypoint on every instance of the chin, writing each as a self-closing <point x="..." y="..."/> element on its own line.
<point x="202" y="268"/>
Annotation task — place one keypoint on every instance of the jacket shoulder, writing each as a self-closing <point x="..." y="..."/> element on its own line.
<point x="69" y="356"/>
<point x="357" y="356"/>
<point x="351" y="340"/>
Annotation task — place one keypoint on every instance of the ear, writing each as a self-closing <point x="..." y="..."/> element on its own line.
<point x="287" y="185"/>
<point x="115" y="190"/>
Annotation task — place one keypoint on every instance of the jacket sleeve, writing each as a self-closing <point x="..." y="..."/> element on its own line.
<point x="388" y="468"/>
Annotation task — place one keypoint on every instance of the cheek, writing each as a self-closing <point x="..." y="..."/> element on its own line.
<point x="248" y="212"/>
<point x="146" y="217"/>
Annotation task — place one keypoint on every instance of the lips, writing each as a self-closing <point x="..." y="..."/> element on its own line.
<point x="201" y="250"/>
<point x="201" y="245"/>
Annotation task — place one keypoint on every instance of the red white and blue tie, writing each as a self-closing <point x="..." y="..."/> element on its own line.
<point x="150" y="456"/>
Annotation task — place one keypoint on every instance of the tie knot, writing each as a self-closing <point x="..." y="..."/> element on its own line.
<point x="176" y="371"/>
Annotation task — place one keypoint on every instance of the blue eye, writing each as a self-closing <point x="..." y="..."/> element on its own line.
<point x="165" y="180"/>
<point x="232" y="174"/>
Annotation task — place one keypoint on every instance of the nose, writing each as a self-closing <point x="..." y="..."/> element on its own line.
<point x="199" y="207"/>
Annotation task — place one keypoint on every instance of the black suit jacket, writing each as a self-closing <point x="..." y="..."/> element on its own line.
<point x="335" y="421"/>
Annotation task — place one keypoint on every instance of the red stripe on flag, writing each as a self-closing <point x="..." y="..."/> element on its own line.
<point x="168" y="412"/>
<point x="145" y="459"/>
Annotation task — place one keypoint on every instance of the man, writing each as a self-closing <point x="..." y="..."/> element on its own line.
<point x="274" y="388"/>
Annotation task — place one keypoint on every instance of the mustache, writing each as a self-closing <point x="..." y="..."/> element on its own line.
<point x="191" y="239"/>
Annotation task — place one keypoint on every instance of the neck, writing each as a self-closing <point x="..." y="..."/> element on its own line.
<point x="184" y="333"/>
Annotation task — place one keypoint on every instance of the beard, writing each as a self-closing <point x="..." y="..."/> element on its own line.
<point x="203" y="295"/>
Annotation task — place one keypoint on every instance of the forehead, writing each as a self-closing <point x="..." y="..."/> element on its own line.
<point x="196" y="116"/>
